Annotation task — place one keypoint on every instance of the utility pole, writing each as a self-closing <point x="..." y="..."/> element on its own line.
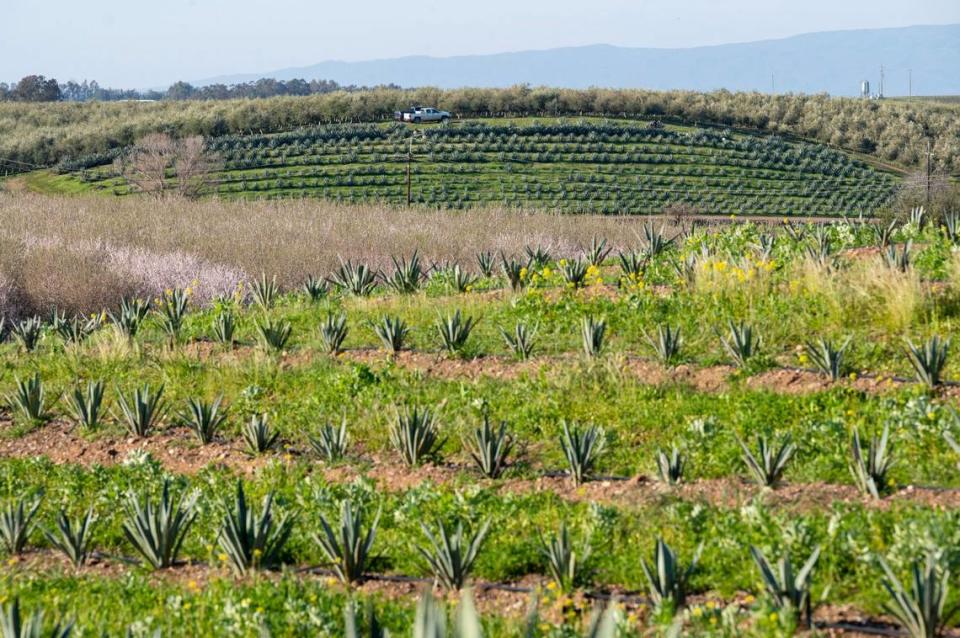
<point x="910" y="82"/>
<point x="409" y="161"/>
<point x="928" y="172"/>
<point x="881" y="80"/>
<point x="773" y="83"/>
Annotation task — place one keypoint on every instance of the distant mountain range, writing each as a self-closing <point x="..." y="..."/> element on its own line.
<point x="834" y="62"/>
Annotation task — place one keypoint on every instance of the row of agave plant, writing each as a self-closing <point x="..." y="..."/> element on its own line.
<point x="417" y="436"/>
<point x="254" y="538"/>
<point x="741" y="342"/>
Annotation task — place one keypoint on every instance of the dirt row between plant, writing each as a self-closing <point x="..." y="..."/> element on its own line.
<point x="511" y="600"/>
<point x="178" y="452"/>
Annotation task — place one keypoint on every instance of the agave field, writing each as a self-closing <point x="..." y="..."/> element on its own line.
<point x="596" y="166"/>
<point x="745" y="431"/>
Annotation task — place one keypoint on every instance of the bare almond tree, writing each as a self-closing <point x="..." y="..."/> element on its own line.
<point x="159" y="165"/>
<point x="193" y="166"/>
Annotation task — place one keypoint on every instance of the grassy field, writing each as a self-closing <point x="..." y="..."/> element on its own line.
<point x="311" y="356"/>
<point x="558" y="164"/>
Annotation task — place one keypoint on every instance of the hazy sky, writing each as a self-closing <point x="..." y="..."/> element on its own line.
<point x="136" y="43"/>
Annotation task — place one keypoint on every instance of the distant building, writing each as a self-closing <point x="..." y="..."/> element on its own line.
<point x="865" y="89"/>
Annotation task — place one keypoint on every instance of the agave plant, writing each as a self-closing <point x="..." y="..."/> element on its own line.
<point x="787" y="591"/>
<point x="224" y="326"/>
<point x="667" y="343"/>
<point x="929" y="359"/>
<point x="27" y="333"/>
<point x="315" y="289"/>
<point x="76" y="330"/>
<point x="358" y="280"/>
<point x="274" y="334"/>
<point x="768" y="465"/>
<point x="258" y="435"/>
<point x="592" y="332"/>
<point x="173" y="311"/>
<point x="515" y="272"/>
<point x="574" y="272"/>
<point x="86" y="404"/>
<point x="870" y="467"/>
<point x="820" y="250"/>
<point x="667" y="580"/>
<point x="29" y="400"/>
<point x="951" y="226"/>
<point x="828" y="357"/>
<point x="598" y="251"/>
<point x="454" y="331"/>
<point x="898" y="260"/>
<point x="333" y="331"/>
<point x="521" y="341"/>
<point x="156" y="530"/>
<point x="633" y="265"/>
<point x="331" y="442"/>
<point x="130" y="317"/>
<point x="462" y="280"/>
<point x="17" y="522"/>
<point x="565" y="562"/>
<point x="13" y="624"/>
<point x="407" y="275"/>
<point x="143" y="410"/>
<point x="490" y="448"/>
<point x="348" y="549"/>
<point x="485" y="262"/>
<point x="265" y="291"/>
<point x="373" y="629"/>
<point x="742" y="344"/>
<point x="450" y="555"/>
<point x="764" y="246"/>
<point x="204" y="419"/>
<point x="430" y="620"/>
<point x="538" y="257"/>
<point x="73" y="537"/>
<point x="670" y="466"/>
<point x="686" y="270"/>
<point x="581" y="447"/>
<point x="416" y="435"/>
<point x="883" y="235"/>
<point x="392" y="332"/>
<point x="251" y="539"/>
<point x="655" y="241"/>
<point x="921" y="609"/>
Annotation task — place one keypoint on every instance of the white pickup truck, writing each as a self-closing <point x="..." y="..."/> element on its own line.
<point x="419" y="114"/>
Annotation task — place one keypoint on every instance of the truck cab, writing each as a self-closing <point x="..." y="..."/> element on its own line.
<point x="421" y="114"/>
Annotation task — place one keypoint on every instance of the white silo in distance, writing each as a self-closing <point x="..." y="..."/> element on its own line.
<point x="865" y="88"/>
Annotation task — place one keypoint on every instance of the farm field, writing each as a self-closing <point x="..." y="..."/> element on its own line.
<point x="570" y="165"/>
<point x="637" y="371"/>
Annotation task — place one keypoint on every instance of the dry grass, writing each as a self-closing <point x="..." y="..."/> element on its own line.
<point x="82" y="254"/>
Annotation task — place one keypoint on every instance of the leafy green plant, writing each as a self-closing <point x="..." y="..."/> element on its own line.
<point x="86" y="404"/>
<point x="392" y="332"/>
<point x="788" y="592"/>
<point x="490" y="448"/>
<point x="929" y="359"/>
<point x="73" y="537"/>
<point x="265" y="291"/>
<point x="521" y="341"/>
<point x="29" y="400"/>
<point x="574" y="272"/>
<point x="416" y="435"/>
<point x="274" y="334"/>
<point x="921" y="609"/>
<point x="742" y="344"/>
<point x="204" y="419"/>
<point x="667" y="580"/>
<point x="16" y="523"/>
<point x="450" y="555"/>
<point x="13" y="624"/>
<point x="581" y="447"/>
<point x="870" y="467"/>
<point x="358" y="280"/>
<point x="827" y="357"/>
<point x="768" y="465"/>
<point x="515" y="271"/>
<point x="173" y="311"/>
<point x="156" y="530"/>
<point x="565" y="562"/>
<point x="258" y="435"/>
<point x="142" y="411"/>
<point x="253" y="540"/>
<point x="667" y="343"/>
<point x="407" y="275"/>
<point x="348" y="549"/>
<point x="333" y="331"/>
<point x="331" y="442"/>
<point x="27" y="333"/>
<point x="592" y="332"/>
<point x="952" y="442"/>
<point x="454" y="331"/>
<point x="130" y="317"/>
<point x="224" y="326"/>
<point x="485" y="261"/>
<point x="315" y="289"/>
<point x="670" y="467"/>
